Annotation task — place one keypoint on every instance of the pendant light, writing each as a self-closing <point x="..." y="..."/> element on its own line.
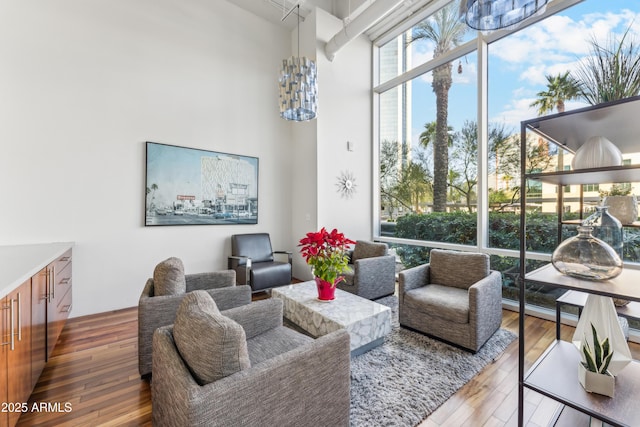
<point x="298" y="84"/>
<point x="488" y="15"/>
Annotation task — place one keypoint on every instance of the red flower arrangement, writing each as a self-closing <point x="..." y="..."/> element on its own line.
<point x="326" y="253"/>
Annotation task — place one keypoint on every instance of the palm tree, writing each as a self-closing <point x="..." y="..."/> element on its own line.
<point x="152" y="191"/>
<point x="428" y="135"/>
<point x="446" y="31"/>
<point x="560" y="88"/>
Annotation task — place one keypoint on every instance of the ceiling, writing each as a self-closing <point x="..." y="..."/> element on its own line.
<point x="274" y="10"/>
<point x="376" y="19"/>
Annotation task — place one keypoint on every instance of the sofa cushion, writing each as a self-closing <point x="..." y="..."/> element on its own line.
<point x="275" y="342"/>
<point x="445" y="302"/>
<point x="168" y="278"/>
<point x="367" y="249"/>
<point x="459" y="269"/>
<point x="212" y="345"/>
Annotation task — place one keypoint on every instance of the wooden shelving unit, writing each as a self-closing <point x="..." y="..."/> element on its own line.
<point x="555" y="373"/>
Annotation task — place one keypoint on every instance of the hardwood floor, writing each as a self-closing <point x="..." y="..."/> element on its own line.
<point x="94" y="373"/>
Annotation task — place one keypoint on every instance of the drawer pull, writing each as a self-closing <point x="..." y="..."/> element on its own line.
<point x="19" y="318"/>
<point x="12" y="342"/>
<point x="67" y="308"/>
<point x="10" y="308"/>
<point x="65" y="258"/>
<point x="65" y="281"/>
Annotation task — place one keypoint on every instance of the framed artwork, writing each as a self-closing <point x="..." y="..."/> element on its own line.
<point x="188" y="186"/>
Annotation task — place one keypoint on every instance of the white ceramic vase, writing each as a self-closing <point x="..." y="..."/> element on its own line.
<point x="597" y="152"/>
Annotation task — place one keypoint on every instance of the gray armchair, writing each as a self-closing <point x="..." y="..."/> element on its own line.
<point x="157" y="306"/>
<point x="372" y="272"/>
<point x="255" y="264"/>
<point x="265" y="374"/>
<point x="455" y="298"/>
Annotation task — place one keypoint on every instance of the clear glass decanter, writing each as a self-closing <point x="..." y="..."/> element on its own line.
<point x="607" y="228"/>
<point x="586" y="257"/>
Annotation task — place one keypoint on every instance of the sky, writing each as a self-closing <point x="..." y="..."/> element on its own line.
<point x="177" y="171"/>
<point x="519" y="63"/>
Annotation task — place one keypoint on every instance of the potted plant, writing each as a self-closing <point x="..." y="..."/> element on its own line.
<point x="622" y="204"/>
<point x="326" y="253"/>
<point x="593" y="371"/>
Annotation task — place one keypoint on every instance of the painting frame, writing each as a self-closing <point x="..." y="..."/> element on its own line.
<point x="194" y="186"/>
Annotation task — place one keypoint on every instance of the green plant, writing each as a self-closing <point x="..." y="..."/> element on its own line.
<point x="611" y="71"/>
<point x="597" y="360"/>
<point x="617" y="190"/>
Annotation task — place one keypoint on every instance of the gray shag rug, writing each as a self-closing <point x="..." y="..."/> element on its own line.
<point x="408" y="377"/>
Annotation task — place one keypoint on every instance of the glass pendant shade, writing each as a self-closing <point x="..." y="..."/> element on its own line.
<point x="586" y="257"/>
<point x="487" y="15"/>
<point x="298" y="89"/>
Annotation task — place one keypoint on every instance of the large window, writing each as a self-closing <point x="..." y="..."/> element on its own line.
<point x="449" y="172"/>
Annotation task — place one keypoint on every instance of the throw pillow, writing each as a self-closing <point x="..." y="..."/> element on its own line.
<point x="168" y="278"/>
<point x="212" y="345"/>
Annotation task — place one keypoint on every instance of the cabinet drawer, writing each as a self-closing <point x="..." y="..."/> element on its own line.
<point x="64" y="306"/>
<point x="62" y="262"/>
<point x="62" y="284"/>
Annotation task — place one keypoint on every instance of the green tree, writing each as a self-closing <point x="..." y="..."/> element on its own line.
<point x="611" y="71"/>
<point x="428" y="135"/>
<point x="560" y="88"/>
<point x="414" y="185"/>
<point x="390" y="155"/>
<point x="446" y="31"/>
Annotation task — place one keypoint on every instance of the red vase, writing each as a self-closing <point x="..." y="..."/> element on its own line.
<point x="326" y="290"/>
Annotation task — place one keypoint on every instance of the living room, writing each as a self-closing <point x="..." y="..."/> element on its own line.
<point x="88" y="83"/>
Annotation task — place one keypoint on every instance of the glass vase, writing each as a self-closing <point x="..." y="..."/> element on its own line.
<point x="586" y="257"/>
<point x="607" y="228"/>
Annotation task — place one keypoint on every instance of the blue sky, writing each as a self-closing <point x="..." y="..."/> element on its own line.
<point x="519" y="63"/>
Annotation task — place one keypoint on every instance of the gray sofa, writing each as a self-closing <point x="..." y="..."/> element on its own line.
<point x="455" y="298"/>
<point x="372" y="271"/>
<point x="160" y="310"/>
<point x="264" y="373"/>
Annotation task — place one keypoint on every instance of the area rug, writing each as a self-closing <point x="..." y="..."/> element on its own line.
<point x="408" y="377"/>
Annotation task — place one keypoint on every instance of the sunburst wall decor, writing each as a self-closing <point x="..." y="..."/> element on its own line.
<point x="346" y="184"/>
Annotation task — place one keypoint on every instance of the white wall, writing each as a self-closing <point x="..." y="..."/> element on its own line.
<point x="347" y="77"/>
<point x="344" y="114"/>
<point x="84" y="83"/>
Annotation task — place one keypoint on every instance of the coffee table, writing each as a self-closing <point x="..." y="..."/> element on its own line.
<point x="366" y="321"/>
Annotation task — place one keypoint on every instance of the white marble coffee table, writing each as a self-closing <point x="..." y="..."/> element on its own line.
<point x="366" y="321"/>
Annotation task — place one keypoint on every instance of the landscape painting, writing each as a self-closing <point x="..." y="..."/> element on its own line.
<point x="189" y="186"/>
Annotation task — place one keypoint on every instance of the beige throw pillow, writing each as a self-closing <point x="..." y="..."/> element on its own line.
<point x="168" y="278"/>
<point x="212" y="345"/>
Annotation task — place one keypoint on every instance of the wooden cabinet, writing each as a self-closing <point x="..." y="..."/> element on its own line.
<point x="554" y="374"/>
<point x="39" y="295"/>
<point x="16" y="351"/>
<point x="35" y="303"/>
<point x="19" y="345"/>
<point x="58" y="298"/>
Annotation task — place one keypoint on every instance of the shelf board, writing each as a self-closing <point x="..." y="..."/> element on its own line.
<point x="612" y="120"/>
<point x="555" y="375"/>
<point x="579" y="299"/>
<point x="612" y="174"/>
<point x="635" y="224"/>
<point x="625" y="286"/>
